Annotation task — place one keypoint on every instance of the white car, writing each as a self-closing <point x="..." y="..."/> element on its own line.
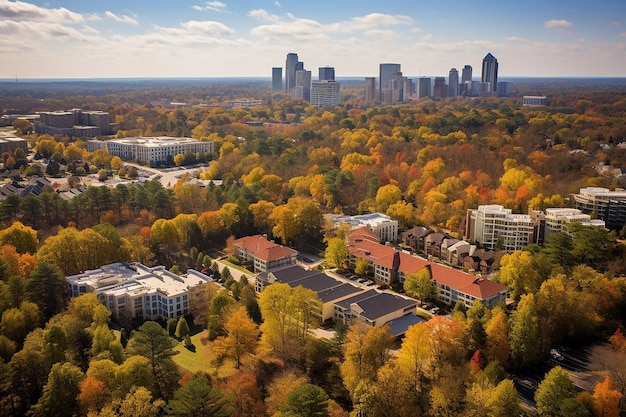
<point x="555" y="354"/>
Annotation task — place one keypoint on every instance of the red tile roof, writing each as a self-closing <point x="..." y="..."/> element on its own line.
<point x="466" y="283"/>
<point x="362" y="234"/>
<point x="263" y="249"/>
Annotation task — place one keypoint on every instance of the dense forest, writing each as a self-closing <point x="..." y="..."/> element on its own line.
<point x="422" y="163"/>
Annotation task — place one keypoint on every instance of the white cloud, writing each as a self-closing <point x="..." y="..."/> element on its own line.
<point x="122" y="19"/>
<point x="215" y="6"/>
<point x="19" y="10"/>
<point x="557" y="24"/>
<point x="277" y="4"/>
<point x="209" y="27"/>
<point x="416" y="30"/>
<point x="515" y="39"/>
<point x="380" y="33"/>
<point x="25" y="30"/>
<point x="300" y="28"/>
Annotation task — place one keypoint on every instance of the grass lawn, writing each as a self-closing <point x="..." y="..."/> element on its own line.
<point x="200" y="360"/>
<point x="237" y="267"/>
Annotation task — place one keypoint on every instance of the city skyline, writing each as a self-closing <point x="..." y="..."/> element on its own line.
<point x="74" y="39"/>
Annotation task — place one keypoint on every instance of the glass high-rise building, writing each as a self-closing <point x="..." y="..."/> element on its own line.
<point x="290" y="71"/>
<point x="384" y="79"/>
<point x="453" y="83"/>
<point x="490" y="72"/>
<point x="277" y="78"/>
<point x="370" y="89"/>
<point x="327" y="74"/>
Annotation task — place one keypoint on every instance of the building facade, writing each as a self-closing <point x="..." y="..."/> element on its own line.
<point x="290" y="71"/>
<point x="605" y="204"/>
<point x="76" y="122"/>
<point x="495" y="227"/>
<point x="453" y="83"/>
<point x="490" y="72"/>
<point x="532" y="101"/>
<point x="370" y="90"/>
<point x="264" y="254"/>
<point x="385" y="75"/>
<point x="423" y="87"/>
<point x="152" y="151"/>
<point x="381" y="225"/>
<point x="557" y="219"/>
<point x="326" y="74"/>
<point x="277" y="78"/>
<point x="135" y="291"/>
<point x="440" y="89"/>
<point x="325" y="93"/>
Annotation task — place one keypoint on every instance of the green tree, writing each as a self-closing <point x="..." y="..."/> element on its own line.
<point x="306" y="401"/>
<point x="218" y="307"/>
<point x="60" y="395"/>
<point x="420" y="285"/>
<point x="198" y="398"/>
<point x="47" y="288"/>
<point x="153" y="342"/>
<point x="592" y="245"/>
<point x="524" y="336"/>
<point x="558" y="248"/>
<point x="554" y="394"/>
<point x="182" y="328"/>
<point x="336" y="253"/>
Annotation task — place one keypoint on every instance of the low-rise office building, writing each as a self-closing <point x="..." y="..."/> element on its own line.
<point x="135" y="291"/>
<point x="152" y="151"/>
<point x="380" y="224"/>
<point x="264" y="254"/>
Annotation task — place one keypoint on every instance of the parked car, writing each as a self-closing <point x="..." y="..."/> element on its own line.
<point x="555" y="354"/>
<point x="434" y="310"/>
<point x="369" y="282"/>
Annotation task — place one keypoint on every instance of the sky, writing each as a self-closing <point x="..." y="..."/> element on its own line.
<point x="246" y="38"/>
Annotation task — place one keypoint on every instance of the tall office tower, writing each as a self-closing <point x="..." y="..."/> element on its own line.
<point x="385" y="74"/>
<point x="303" y="79"/>
<point x="423" y="87"/>
<point x="277" y="78"/>
<point x="490" y="72"/>
<point x="440" y="88"/>
<point x="503" y="88"/>
<point x="370" y="89"/>
<point x="325" y="93"/>
<point x="326" y="74"/>
<point x="397" y="88"/>
<point x="453" y="83"/>
<point x="290" y="71"/>
<point x="408" y="89"/>
<point x="299" y="66"/>
<point x="466" y="77"/>
<point x="466" y="74"/>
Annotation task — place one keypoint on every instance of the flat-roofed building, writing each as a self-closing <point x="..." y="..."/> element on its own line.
<point x="325" y="93"/>
<point x="607" y="205"/>
<point x="75" y="122"/>
<point x="532" y="101"/>
<point x="151" y="150"/>
<point x="494" y="226"/>
<point x="557" y="219"/>
<point x="135" y="291"/>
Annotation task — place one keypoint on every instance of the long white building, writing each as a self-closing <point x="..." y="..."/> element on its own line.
<point x="383" y="227"/>
<point x="135" y="291"/>
<point x="557" y="219"/>
<point x="151" y="150"/>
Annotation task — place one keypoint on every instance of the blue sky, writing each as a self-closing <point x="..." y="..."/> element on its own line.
<point x="183" y="38"/>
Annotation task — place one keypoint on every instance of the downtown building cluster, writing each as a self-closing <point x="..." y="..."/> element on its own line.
<point x="393" y="87"/>
<point x="323" y="92"/>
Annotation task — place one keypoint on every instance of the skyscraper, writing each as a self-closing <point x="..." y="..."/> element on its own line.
<point x="303" y="84"/>
<point x="326" y="74"/>
<point x="466" y="74"/>
<point x="290" y="71"/>
<point x="277" y="78"/>
<point x="439" y="89"/>
<point x="453" y="83"/>
<point x="385" y="75"/>
<point x="466" y="80"/>
<point x="423" y="87"/>
<point x="490" y="72"/>
<point x="370" y="89"/>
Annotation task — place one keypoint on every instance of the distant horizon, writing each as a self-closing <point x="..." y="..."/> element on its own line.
<point x="198" y="38"/>
<point x="269" y="78"/>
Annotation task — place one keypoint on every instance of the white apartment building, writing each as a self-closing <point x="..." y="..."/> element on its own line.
<point x="557" y="219"/>
<point x="493" y="225"/>
<point x="135" y="291"/>
<point x="151" y="150"/>
<point x="385" y="229"/>
<point x="325" y="93"/>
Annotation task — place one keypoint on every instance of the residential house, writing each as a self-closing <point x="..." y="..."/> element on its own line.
<point x="415" y="238"/>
